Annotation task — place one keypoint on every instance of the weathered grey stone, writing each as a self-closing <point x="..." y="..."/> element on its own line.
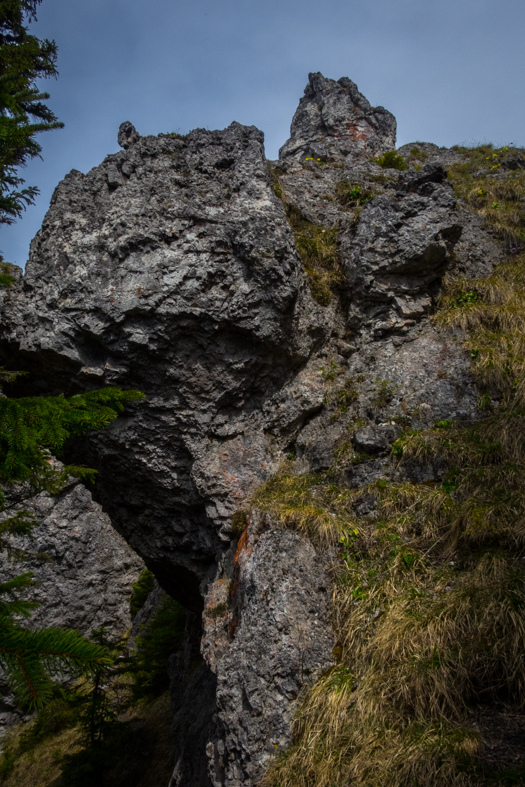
<point x="127" y="135"/>
<point x="171" y="268"/>
<point x="376" y="439"/>
<point x="400" y="248"/>
<point x="513" y="162"/>
<point x="275" y="637"/>
<point x="83" y="570"/>
<point x="184" y="282"/>
<point x="114" y="179"/>
<point x="334" y="120"/>
<point x="346" y="349"/>
<point x="432" y="154"/>
<point x="365" y="504"/>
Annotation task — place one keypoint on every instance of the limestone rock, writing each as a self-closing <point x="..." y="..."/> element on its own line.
<point x="83" y="570"/>
<point x="376" y="439"/>
<point x="127" y="135"/>
<point x="335" y="121"/>
<point x="281" y="639"/>
<point x="183" y="282"/>
<point x="172" y="268"/>
<point x="400" y="248"/>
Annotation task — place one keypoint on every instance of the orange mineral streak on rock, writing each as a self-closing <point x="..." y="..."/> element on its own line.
<point x="357" y="133"/>
<point x="243" y="550"/>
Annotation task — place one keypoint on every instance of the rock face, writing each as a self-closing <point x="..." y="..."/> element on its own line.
<point x="172" y="268"/>
<point x="335" y="121"/>
<point x="275" y="636"/>
<point x="83" y="570"/>
<point x="400" y="249"/>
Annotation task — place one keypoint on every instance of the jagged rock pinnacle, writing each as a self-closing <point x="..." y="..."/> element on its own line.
<point x="127" y="135"/>
<point x="334" y="121"/>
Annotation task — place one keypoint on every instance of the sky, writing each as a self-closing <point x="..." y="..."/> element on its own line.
<point x="451" y="71"/>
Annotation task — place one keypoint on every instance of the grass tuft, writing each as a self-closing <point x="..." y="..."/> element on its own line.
<point x="317" y="247"/>
<point x="352" y="195"/>
<point x="391" y="160"/>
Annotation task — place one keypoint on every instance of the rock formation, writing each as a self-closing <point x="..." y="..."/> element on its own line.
<point x="172" y="268"/>
<point x="82" y="569"/>
<point x="334" y="121"/>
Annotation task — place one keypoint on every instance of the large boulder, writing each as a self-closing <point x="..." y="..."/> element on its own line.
<point x="397" y="254"/>
<point x="172" y="268"/>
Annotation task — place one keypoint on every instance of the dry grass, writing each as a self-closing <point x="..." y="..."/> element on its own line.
<point x="496" y="193"/>
<point x="422" y="637"/>
<point x="337" y="744"/>
<point x="304" y="503"/>
<point x="429" y="592"/>
<point x="41" y="767"/>
<point x="148" y="766"/>
<point x="317" y="247"/>
<point x="492" y="313"/>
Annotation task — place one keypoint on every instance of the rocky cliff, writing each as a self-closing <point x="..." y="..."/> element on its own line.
<point x="274" y="314"/>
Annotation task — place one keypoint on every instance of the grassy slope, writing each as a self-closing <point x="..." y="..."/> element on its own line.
<point x="429" y="595"/>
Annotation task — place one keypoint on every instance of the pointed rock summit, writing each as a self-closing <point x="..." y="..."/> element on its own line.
<point x="334" y="121"/>
<point x="127" y="135"/>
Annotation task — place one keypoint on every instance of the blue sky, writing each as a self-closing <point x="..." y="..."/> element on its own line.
<point x="451" y="71"/>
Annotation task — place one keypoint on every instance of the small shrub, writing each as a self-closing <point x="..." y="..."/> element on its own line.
<point x="6" y="271"/>
<point x="275" y="172"/>
<point x="384" y="392"/>
<point x="351" y="195"/>
<point x="59" y="714"/>
<point x="418" y="154"/>
<point x="141" y="590"/>
<point x="330" y="372"/>
<point x="159" y="638"/>
<point x="391" y="160"/>
<point x="8" y="761"/>
<point x="239" y="521"/>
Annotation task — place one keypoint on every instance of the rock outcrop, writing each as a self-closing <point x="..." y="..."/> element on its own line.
<point x="181" y="281"/>
<point x="172" y="268"/>
<point x="83" y="570"/>
<point x="334" y="121"/>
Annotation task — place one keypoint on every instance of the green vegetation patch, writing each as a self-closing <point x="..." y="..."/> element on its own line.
<point x="317" y="247"/>
<point x="391" y="160"/>
<point x="141" y="590"/>
<point x="488" y="185"/>
<point x="352" y="195"/>
<point x="101" y="730"/>
<point x="159" y="638"/>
